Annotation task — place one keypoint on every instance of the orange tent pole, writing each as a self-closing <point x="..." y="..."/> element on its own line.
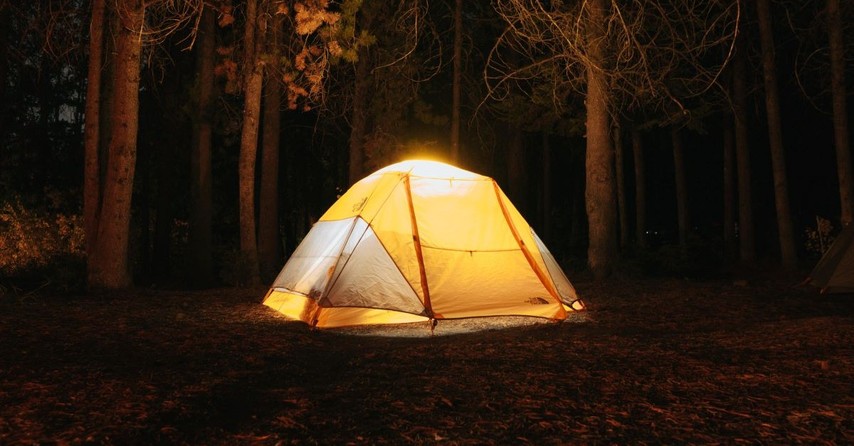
<point x="428" y="307"/>
<point x="546" y="280"/>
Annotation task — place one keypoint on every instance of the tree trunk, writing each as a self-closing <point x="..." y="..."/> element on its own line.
<point x="600" y="189"/>
<point x="775" y="137"/>
<point x="640" y="188"/>
<point x="840" y="112"/>
<point x="359" y="122"/>
<point x="201" y="191"/>
<point x="108" y="80"/>
<point x="110" y="263"/>
<point x="516" y="169"/>
<point x="455" y="106"/>
<point x="729" y="192"/>
<point x="253" y="77"/>
<point x="4" y="63"/>
<point x="164" y="214"/>
<point x="746" y="237"/>
<point x="269" y="240"/>
<point x="547" y="187"/>
<point x="681" y="187"/>
<point x="622" y="206"/>
<point x="578" y="212"/>
<point x="142" y="219"/>
<point x="91" y="130"/>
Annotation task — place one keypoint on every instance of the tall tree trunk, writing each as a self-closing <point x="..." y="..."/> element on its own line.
<point x="578" y="212"/>
<point x="45" y="104"/>
<point x="455" y="106"/>
<point x="110" y="263"/>
<point x="142" y="219"/>
<point x="640" y="188"/>
<point x="108" y="81"/>
<point x="4" y="63"/>
<point x="164" y="214"/>
<point x="269" y="240"/>
<point x="547" y="187"/>
<point x="201" y="190"/>
<point x="746" y="237"/>
<point x="775" y="137"/>
<point x="622" y="206"/>
<point x="359" y="121"/>
<point x="681" y="187"/>
<point x="252" y="84"/>
<point x="840" y="112"/>
<point x="600" y="189"/>
<point x="516" y="168"/>
<point x="729" y="192"/>
<point x="91" y="130"/>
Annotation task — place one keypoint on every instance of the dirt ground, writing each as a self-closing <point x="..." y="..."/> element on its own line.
<point x="651" y="361"/>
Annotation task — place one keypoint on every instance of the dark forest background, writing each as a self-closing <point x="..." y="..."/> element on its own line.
<point x="351" y="86"/>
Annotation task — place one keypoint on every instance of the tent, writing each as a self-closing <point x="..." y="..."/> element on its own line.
<point x="421" y="241"/>
<point x="834" y="273"/>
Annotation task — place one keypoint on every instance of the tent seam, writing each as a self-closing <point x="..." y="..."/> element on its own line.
<point x="548" y="284"/>
<point x="419" y="255"/>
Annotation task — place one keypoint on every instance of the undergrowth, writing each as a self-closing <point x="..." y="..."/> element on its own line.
<point x="39" y="248"/>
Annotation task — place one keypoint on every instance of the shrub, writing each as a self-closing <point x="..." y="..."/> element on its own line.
<point x="32" y="242"/>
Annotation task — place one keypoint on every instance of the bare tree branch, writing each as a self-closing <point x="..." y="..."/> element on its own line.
<point x="661" y="52"/>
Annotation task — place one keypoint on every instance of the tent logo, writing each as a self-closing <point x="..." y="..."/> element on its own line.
<point x="537" y="301"/>
<point x="360" y="204"/>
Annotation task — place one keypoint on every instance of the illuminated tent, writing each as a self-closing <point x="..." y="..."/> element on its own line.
<point x="416" y="241"/>
<point x="834" y="273"/>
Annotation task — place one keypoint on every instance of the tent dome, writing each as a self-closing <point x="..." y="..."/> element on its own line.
<point x="421" y="240"/>
<point x="428" y="169"/>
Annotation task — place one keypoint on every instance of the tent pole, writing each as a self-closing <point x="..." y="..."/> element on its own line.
<point x="545" y="280"/>
<point x="416" y="239"/>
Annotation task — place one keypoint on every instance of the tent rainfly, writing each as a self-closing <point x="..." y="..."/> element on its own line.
<point x="834" y="273"/>
<point x="420" y="241"/>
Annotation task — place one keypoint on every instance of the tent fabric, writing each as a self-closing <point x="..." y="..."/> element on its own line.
<point x="416" y="241"/>
<point x="834" y="273"/>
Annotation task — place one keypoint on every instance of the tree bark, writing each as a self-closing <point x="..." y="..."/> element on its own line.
<point x="4" y="63"/>
<point x="775" y="137"/>
<point x="578" y="232"/>
<point x="143" y="217"/>
<point x="516" y="168"/>
<point x="622" y="206"/>
<point x="108" y="80"/>
<point x="681" y="187"/>
<point x="840" y="111"/>
<point x="164" y="214"/>
<point x="201" y="190"/>
<point x="729" y="192"/>
<point x="547" y="187"/>
<point x="746" y="237"/>
<point x="600" y="189"/>
<point x="252" y="84"/>
<point x="91" y="129"/>
<point x="640" y="188"/>
<point x="110" y="264"/>
<point x="455" y="105"/>
<point x="359" y="122"/>
<point x="269" y="240"/>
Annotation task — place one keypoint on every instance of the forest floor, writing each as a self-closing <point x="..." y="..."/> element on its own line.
<point x="651" y="361"/>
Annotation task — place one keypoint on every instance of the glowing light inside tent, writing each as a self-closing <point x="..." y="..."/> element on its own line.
<point x="430" y="169"/>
